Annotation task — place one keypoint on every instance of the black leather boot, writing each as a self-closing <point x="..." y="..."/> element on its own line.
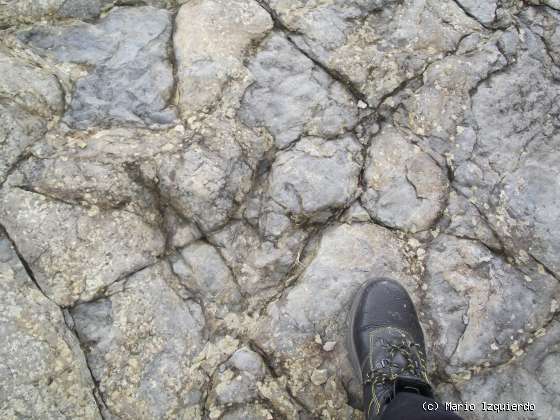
<point x="386" y="345"/>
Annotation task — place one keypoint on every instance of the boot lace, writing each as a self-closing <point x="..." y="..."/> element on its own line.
<point x="388" y="371"/>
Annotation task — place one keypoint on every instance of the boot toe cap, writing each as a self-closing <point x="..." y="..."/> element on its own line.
<point x="385" y="303"/>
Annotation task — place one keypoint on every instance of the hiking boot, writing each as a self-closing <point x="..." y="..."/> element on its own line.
<point x="386" y="345"/>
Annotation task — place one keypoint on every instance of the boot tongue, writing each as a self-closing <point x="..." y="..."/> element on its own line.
<point x="412" y="384"/>
<point x="400" y="361"/>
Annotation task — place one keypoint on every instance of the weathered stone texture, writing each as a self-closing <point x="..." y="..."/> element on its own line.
<point x="129" y="76"/>
<point x="291" y="96"/>
<point x="76" y="252"/>
<point x="406" y="187"/>
<point x="192" y="191"/>
<point x="139" y="343"/>
<point x="43" y="373"/>
<point x="484" y="309"/>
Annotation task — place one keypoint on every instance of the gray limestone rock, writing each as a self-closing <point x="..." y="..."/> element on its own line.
<point x="130" y="78"/>
<point x="203" y="262"/>
<point x="15" y="9"/>
<point x="247" y="361"/>
<point x="86" y="182"/>
<point x="139" y="342"/>
<point x="463" y="220"/>
<point x="43" y="372"/>
<point x="209" y="180"/>
<point x="248" y="412"/>
<point x="483" y="11"/>
<point x="406" y="189"/>
<point x="110" y="170"/>
<point x="484" y="309"/>
<point x="536" y="369"/>
<point x="205" y="182"/>
<point x="76" y="252"/>
<point x="180" y="232"/>
<point x="292" y="97"/>
<point x="553" y="4"/>
<point x="202" y="270"/>
<point x="242" y="386"/>
<point x="14" y="12"/>
<point x="375" y="45"/>
<point x="316" y="176"/>
<point x="438" y="109"/>
<point x="258" y="264"/>
<point x="513" y="173"/>
<point x="30" y="97"/>
<point x="543" y="22"/>
<point x="24" y="83"/>
<point x="81" y="9"/>
<point x="18" y="130"/>
<point x="496" y="109"/>
<point x="236" y="380"/>
<point x="211" y="40"/>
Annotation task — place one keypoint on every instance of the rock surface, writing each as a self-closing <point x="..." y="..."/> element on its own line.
<point x="139" y="341"/>
<point x="129" y="76"/>
<point x="43" y="370"/>
<point x="192" y="191"/>
<point x="292" y="96"/>
<point x="406" y="187"/>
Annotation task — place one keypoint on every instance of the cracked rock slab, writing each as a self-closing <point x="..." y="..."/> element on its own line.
<point x="374" y="45"/>
<point x="483" y="11"/>
<point x="489" y="111"/>
<point x="18" y="11"/>
<point x="257" y="263"/>
<point x="236" y="380"/>
<point x="484" y="309"/>
<point x="139" y="342"/>
<point x="43" y="372"/>
<point x="242" y="386"/>
<point x="554" y="4"/>
<point x="23" y="83"/>
<point x="544" y="22"/>
<point x="204" y="183"/>
<point x="513" y="173"/>
<point x="437" y="109"/>
<point x="463" y="220"/>
<point x="292" y="96"/>
<point x="406" y="189"/>
<point x="208" y="182"/>
<point x="18" y="130"/>
<point x="14" y="12"/>
<point x="537" y="369"/>
<point x="211" y="40"/>
<point x="203" y="271"/>
<point x="316" y="176"/>
<point x="206" y="258"/>
<point x="76" y="252"/>
<point x="30" y="97"/>
<point x="109" y="170"/>
<point x="129" y="76"/>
